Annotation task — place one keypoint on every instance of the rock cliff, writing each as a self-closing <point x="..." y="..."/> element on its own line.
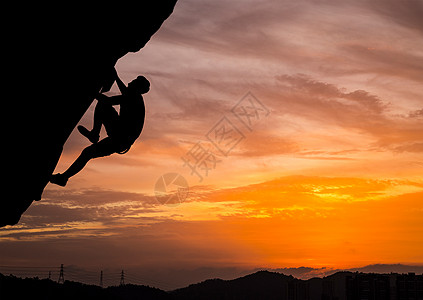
<point x="56" y="60"/>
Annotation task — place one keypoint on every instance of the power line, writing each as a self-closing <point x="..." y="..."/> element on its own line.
<point x="9" y="266"/>
<point x="107" y="278"/>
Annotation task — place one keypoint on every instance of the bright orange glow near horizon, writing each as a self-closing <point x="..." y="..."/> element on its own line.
<point x="327" y="175"/>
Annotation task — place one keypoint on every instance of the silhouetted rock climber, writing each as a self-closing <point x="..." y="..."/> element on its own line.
<point x="122" y="128"/>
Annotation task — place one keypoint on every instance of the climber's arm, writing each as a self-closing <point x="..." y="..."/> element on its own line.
<point x="101" y="97"/>
<point x="122" y="87"/>
<point x="114" y="100"/>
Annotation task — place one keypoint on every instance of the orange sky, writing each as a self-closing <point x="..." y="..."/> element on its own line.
<point x="330" y="177"/>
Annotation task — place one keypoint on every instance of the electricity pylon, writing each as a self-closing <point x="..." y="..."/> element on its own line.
<point x="61" y="276"/>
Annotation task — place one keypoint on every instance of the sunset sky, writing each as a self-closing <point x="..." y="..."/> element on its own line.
<point x="328" y="174"/>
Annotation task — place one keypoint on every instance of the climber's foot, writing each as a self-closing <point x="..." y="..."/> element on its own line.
<point x="59" y="179"/>
<point x="88" y="134"/>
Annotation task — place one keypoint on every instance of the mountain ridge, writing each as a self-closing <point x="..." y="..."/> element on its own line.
<point x="262" y="284"/>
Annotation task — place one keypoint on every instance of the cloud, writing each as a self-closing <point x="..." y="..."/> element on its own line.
<point x="90" y="197"/>
<point x="358" y="110"/>
<point x="222" y="27"/>
<point x="252" y="146"/>
<point x="309" y="272"/>
<point x="83" y="212"/>
<point x="108" y="212"/>
<point x="272" y="224"/>
<point x="305" y="35"/>
<point x="416" y="114"/>
<point x="305" y="272"/>
<point x="388" y="62"/>
<point x="404" y="13"/>
<point x="316" y="93"/>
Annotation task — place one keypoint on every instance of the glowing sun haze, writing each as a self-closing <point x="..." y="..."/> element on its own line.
<point x="330" y="177"/>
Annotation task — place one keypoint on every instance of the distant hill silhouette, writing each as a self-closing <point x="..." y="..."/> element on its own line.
<point x="32" y="288"/>
<point x="262" y="285"/>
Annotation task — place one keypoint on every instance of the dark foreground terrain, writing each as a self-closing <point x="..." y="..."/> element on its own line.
<point x="260" y="285"/>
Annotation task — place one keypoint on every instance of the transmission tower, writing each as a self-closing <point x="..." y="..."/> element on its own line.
<point x="101" y="278"/>
<point x="122" y="278"/>
<point x="61" y="276"/>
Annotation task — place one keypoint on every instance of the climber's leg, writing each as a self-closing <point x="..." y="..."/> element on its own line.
<point x="104" y="114"/>
<point x="105" y="147"/>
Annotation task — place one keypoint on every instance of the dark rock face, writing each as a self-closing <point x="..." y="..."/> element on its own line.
<point x="57" y="60"/>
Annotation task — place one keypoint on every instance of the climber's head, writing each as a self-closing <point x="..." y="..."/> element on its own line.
<point x="139" y="85"/>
